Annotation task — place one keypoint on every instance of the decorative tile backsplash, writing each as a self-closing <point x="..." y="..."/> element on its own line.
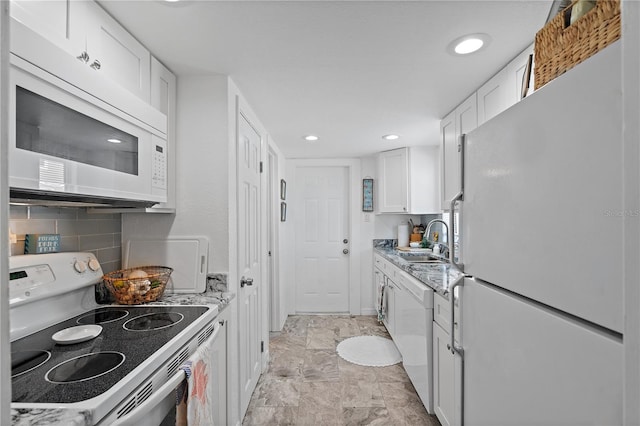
<point x="99" y="234"/>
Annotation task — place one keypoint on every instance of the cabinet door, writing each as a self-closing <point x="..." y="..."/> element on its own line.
<point x="443" y="377"/>
<point x="449" y="170"/>
<point x="53" y="19"/>
<point x="394" y="174"/>
<point x="467" y="117"/>
<point x="495" y="96"/>
<point x="424" y="180"/>
<point x="122" y="58"/>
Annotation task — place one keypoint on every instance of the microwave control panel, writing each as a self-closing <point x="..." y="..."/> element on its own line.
<point x="159" y="164"/>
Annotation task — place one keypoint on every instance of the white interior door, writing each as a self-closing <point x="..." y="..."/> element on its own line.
<point x="248" y="258"/>
<point x="322" y="235"/>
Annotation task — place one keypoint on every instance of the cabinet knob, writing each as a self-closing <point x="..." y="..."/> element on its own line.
<point x="346" y="241"/>
<point x="84" y="57"/>
<point x="404" y="208"/>
<point x="96" y="65"/>
<point x="345" y="251"/>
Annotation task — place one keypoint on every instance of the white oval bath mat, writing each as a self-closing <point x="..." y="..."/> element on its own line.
<point x="370" y="351"/>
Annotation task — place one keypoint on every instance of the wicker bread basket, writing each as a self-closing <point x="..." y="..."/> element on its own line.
<point x="559" y="47"/>
<point x="137" y="289"/>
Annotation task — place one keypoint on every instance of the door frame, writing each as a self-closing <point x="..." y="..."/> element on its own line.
<point x="353" y="167"/>
<point x="274" y="304"/>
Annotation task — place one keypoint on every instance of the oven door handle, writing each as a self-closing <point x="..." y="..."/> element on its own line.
<point x="134" y="417"/>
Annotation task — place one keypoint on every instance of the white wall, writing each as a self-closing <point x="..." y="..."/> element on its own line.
<point x="281" y="242"/>
<point x="202" y="169"/>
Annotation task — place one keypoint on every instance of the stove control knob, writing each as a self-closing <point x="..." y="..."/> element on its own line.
<point x="94" y="265"/>
<point x="80" y="266"/>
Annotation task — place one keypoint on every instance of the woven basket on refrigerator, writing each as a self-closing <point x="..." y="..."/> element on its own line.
<point x="559" y="48"/>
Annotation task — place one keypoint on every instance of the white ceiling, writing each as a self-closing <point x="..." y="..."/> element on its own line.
<point x="348" y="71"/>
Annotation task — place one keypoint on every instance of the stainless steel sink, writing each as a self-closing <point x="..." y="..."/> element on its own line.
<point x="423" y="259"/>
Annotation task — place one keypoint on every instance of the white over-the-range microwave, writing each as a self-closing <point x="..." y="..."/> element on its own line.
<point x="69" y="145"/>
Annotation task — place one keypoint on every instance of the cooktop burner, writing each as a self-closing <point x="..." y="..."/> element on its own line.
<point x="155" y="321"/>
<point x="85" y="370"/>
<point x="25" y="361"/>
<point x="102" y="317"/>
<point x="85" y="367"/>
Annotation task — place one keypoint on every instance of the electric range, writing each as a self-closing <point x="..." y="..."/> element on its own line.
<point x="137" y="349"/>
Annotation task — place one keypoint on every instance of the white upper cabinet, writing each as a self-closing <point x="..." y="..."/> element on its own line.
<point x="460" y="121"/>
<point x="493" y="96"/>
<point x="408" y="180"/>
<point x="122" y="58"/>
<point x="393" y="170"/>
<point x="86" y="31"/>
<point x="59" y="21"/>
<point x="504" y="89"/>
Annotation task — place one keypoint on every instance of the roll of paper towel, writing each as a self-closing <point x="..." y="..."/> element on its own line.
<point x="403" y="235"/>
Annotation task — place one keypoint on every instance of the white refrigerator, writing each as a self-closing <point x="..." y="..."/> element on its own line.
<point x="540" y="312"/>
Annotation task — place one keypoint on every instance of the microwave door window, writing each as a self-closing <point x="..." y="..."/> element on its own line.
<point x="47" y="127"/>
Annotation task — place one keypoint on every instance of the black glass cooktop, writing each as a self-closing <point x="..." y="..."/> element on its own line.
<point x="46" y="372"/>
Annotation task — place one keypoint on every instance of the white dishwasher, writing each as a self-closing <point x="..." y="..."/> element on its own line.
<point x="414" y="334"/>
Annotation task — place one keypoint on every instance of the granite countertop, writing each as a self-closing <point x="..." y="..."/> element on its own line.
<point x="438" y="276"/>
<point x="222" y="299"/>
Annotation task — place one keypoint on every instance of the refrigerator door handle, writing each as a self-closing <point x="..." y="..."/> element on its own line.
<point x="452" y="345"/>
<point x="452" y="233"/>
<point x="452" y="208"/>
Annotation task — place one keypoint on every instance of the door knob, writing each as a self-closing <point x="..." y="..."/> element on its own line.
<point x="246" y="281"/>
<point x="345" y="251"/>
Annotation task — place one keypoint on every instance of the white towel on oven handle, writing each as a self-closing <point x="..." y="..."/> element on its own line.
<point x="195" y="393"/>
<point x="380" y="306"/>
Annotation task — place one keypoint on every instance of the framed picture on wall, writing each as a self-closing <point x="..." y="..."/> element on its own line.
<point x="283" y="189"/>
<point x="283" y="211"/>
<point x="367" y="195"/>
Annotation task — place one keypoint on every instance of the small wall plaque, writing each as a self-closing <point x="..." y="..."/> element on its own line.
<point x="41" y="243"/>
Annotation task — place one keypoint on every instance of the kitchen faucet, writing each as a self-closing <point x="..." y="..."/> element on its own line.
<point x="446" y="228"/>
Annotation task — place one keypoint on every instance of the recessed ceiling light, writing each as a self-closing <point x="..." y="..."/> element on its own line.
<point x="469" y="43"/>
<point x="391" y="137"/>
<point x="311" y="138"/>
<point x="113" y="140"/>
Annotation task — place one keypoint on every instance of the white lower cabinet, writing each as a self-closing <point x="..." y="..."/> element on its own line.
<point x="443" y="377"/>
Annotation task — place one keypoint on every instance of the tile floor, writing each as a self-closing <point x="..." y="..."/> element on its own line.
<point x="307" y="383"/>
